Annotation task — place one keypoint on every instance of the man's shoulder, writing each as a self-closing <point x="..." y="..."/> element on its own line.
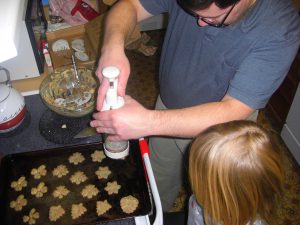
<point x="272" y="20"/>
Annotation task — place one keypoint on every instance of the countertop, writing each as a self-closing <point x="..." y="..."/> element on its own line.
<point x="27" y="136"/>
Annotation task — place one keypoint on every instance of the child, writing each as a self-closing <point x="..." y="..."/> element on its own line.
<point x="235" y="174"/>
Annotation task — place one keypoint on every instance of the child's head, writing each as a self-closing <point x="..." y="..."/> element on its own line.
<point x="235" y="172"/>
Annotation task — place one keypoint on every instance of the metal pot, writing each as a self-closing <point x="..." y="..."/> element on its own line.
<point x="12" y="105"/>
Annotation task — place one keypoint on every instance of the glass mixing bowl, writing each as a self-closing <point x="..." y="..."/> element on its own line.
<point x="70" y="95"/>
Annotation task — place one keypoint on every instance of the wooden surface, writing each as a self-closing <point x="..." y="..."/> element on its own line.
<point x="31" y="84"/>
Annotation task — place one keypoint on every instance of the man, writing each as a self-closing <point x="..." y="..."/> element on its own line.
<point x="221" y="61"/>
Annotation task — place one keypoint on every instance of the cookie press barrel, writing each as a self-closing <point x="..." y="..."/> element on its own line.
<point x="113" y="149"/>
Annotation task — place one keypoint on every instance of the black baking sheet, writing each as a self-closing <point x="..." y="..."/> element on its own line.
<point x="128" y="172"/>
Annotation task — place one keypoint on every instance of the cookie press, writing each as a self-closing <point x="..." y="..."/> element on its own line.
<point x="120" y="149"/>
<point x="113" y="149"/>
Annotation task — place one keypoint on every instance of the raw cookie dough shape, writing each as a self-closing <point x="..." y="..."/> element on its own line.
<point x="19" y="184"/>
<point x="55" y="212"/>
<point x="39" y="172"/>
<point x="112" y="187"/>
<point x="98" y="156"/>
<point x="60" y="192"/>
<point x="78" y="177"/>
<point x="32" y="217"/>
<point x="129" y="204"/>
<point x="40" y="190"/>
<point x="89" y="191"/>
<point x="77" y="210"/>
<point x="102" y="207"/>
<point x="19" y="203"/>
<point x="76" y="158"/>
<point x="60" y="171"/>
<point x="103" y="172"/>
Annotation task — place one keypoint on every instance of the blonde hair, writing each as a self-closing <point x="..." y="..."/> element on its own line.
<point x="235" y="173"/>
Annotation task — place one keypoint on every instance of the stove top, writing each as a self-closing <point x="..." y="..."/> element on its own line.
<point x="40" y="130"/>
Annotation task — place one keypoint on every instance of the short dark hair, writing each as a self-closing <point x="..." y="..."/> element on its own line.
<point x="202" y="4"/>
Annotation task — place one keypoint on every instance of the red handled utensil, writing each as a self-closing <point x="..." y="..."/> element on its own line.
<point x="151" y="180"/>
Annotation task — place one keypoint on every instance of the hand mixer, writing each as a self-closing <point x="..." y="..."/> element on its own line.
<point x="113" y="149"/>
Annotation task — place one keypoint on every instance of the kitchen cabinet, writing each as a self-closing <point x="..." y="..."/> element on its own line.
<point x="279" y="105"/>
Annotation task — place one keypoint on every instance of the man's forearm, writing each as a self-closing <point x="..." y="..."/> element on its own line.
<point x="117" y="28"/>
<point x="121" y="21"/>
<point x="189" y="122"/>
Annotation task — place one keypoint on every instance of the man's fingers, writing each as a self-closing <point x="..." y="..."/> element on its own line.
<point x="122" y="83"/>
<point x="105" y="130"/>
<point x="102" y="93"/>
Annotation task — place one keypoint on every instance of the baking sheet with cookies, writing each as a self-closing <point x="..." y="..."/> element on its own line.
<point x="72" y="185"/>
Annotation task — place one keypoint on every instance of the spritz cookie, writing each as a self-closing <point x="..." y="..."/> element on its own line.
<point x="39" y="172"/>
<point x="89" y="191"/>
<point x="19" y="184"/>
<point x="129" y="204"/>
<point x="60" y="171"/>
<point x="112" y="187"/>
<point x="60" y="192"/>
<point x="102" y="207"/>
<point x="98" y="156"/>
<point x="32" y="217"/>
<point x="77" y="210"/>
<point x="40" y="190"/>
<point x="103" y="172"/>
<point x="76" y="158"/>
<point x="78" y="177"/>
<point x="19" y="203"/>
<point x="55" y="212"/>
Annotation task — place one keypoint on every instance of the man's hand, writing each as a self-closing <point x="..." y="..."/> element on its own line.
<point x="132" y="121"/>
<point x="119" y="24"/>
<point x="112" y="57"/>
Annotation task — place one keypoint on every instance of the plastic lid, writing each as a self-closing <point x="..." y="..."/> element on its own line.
<point x="5" y="90"/>
<point x="82" y="56"/>
<point x="60" y="45"/>
<point x="111" y="72"/>
<point x="78" y="45"/>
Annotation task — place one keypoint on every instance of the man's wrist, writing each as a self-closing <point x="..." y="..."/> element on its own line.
<point x="107" y="48"/>
<point x="154" y="122"/>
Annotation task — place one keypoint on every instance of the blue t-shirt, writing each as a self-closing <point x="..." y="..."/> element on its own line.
<point x="247" y="60"/>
